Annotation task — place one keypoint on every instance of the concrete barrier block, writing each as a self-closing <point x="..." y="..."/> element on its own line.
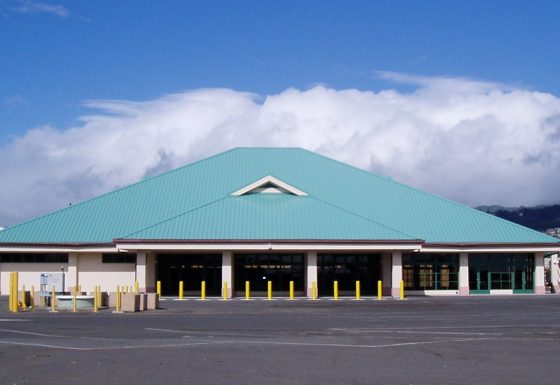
<point x="152" y="301"/>
<point x="130" y="302"/>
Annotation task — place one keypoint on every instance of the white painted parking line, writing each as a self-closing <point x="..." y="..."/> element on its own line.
<point x="13" y="320"/>
<point x="32" y="334"/>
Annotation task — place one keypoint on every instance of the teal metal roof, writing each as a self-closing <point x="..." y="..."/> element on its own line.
<point x="343" y="203"/>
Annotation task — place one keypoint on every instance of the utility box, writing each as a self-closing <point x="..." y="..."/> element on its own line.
<point x="48" y="280"/>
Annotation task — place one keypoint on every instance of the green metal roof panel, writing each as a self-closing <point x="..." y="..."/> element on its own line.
<point x="335" y="184"/>
<point x="268" y="217"/>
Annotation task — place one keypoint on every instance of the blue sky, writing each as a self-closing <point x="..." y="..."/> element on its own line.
<point x="68" y="67"/>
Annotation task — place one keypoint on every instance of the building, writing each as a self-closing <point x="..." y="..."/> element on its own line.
<point x="279" y="215"/>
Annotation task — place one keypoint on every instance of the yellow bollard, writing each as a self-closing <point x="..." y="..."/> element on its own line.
<point x="16" y="299"/>
<point x="203" y="290"/>
<point x="358" y="290"/>
<point x="53" y="301"/>
<point x="23" y="299"/>
<point x="136" y="287"/>
<point x="11" y="302"/>
<point x="269" y="290"/>
<point x="118" y="300"/>
<point x="314" y="290"/>
<point x="225" y="291"/>
<point x="379" y="290"/>
<point x="335" y="288"/>
<point x="247" y="290"/>
<point x="32" y="297"/>
<point x="291" y="290"/>
<point x="74" y="305"/>
<point x="402" y="290"/>
<point x="95" y="298"/>
<point x="180" y="290"/>
<point x="158" y="288"/>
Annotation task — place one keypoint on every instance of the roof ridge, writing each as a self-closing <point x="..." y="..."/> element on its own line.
<point x="432" y="195"/>
<point x="175" y="216"/>
<point x="362" y="217"/>
<point x="7" y="229"/>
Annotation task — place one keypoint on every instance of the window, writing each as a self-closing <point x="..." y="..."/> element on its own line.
<point x="431" y="271"/>
<point x="33" y="258"/>
<point x="119" y="258"/>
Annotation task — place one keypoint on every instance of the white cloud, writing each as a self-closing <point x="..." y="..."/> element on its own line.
<point x="471" y="141"/>
<point x="35" y="7"/>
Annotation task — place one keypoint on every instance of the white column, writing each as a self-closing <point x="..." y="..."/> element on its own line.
<point x="227" y="272"/>
<point x="396" y="275"/>
<point x="150" y="273"/>
<point x="311" y="272"/>
<point x="72" y="279"/>
<point x="141" y="260"/>
<point x="554" y="273"/>
<point x="386" y="273"/>
<point x="539" y="273"/>
<point x="464" y="274"/>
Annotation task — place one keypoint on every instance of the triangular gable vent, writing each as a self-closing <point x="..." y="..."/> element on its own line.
<point x="269" y="185"/>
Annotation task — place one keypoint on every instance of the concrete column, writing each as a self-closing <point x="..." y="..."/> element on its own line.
<point x="386" y="273"/>
<point x="72" y="279"/>
<point x="150" y="273"/>
<point x="554" y="274"/>
<point x="539" y="273"/>
<point x="396" y="275"/>
<point x="464" y="274"/>
<point x="227" y="272"/>
<point x="311" y="273"/>
<point x="141" y="260"/>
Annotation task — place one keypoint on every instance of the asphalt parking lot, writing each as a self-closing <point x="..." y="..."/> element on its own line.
<point x="468" y="340"/>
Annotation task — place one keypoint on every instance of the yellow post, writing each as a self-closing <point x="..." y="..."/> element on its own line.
<point x="225" y="290"/>
<point x="11" y="302"/>
<point x="269" y="290"/>
<point x="136" y="287"/>
<point x="379" y="290"/>
<point x="74" y="305"/>
<point x="357" y="290"/>
<point x="23" y="299"/>
<point x="203" y="290"/>
<point x="53" y="301"/>
<point x="180" y="290"/>
<point x="16" y="299"/>
<point x="335" y="288"/>
<point x="292" y="290"/>
<point x="32" y="297"/>
<point x="402" y="289"/>
<point x="98" y="296"/>
<point x="118" y="300"/>
<point x="95" y="299"/>
<point x="158" y="288"/>
<point x="247" y="290"/>
<point x="314" y="290"/>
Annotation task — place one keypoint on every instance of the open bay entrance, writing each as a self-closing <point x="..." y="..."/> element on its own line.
<point x="258" y="269"/>
<point x="192" y="269"/>
<point x="506" y="272"/>
<point x="347" y="269"/>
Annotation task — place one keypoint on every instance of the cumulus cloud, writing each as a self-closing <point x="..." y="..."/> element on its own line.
<point x="471" y="141"/>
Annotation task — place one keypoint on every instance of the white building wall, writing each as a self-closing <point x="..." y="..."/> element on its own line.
<point x="93" y="272"/>
<point x="29" y="274"/>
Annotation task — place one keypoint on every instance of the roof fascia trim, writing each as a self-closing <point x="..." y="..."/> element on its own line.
<point x="269" y="179"/>
<point x="57" y="248"/>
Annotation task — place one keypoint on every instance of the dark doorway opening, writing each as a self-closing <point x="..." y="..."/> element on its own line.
<point x="192" y="269"/>
<point x="347" y="269"/>
<point x="258" y="269"/>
